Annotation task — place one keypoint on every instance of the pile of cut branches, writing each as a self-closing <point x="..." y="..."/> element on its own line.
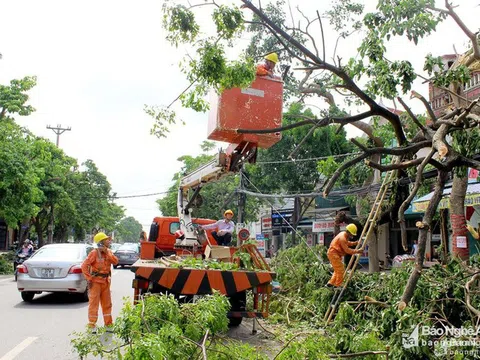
<point x="445" y="297"/>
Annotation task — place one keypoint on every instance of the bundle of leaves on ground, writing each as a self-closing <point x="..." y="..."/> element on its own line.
<point x="6" y="265"/>
<point x="370" y="303"/>
<point x="158" y="327"/>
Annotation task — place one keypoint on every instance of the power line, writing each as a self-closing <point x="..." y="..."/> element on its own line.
<point x="306" y="159"/>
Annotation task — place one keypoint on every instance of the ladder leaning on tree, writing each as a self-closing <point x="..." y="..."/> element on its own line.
<point x="367" y="231"/>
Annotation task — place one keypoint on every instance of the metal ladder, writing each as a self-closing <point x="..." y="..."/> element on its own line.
<point x="383" y="192"/>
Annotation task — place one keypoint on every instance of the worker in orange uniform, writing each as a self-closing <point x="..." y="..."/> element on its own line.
<point x="97" y="270"/>
<point x="340" y="247"/>
<point x="268" y="66"/>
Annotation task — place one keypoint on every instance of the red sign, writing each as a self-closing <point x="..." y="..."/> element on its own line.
<point x="266" y="224"/>
<point x="243" y="234"/>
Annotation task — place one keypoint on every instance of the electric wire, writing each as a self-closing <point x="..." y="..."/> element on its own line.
<point x="274" y="208"/>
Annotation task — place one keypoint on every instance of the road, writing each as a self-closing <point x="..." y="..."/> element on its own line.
<point x="41" y="330"/>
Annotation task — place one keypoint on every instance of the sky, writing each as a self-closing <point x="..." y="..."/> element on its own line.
<point x="99" y="62"/>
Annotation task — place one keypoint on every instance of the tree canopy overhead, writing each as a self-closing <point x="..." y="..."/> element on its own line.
<point x="362" y="80"/>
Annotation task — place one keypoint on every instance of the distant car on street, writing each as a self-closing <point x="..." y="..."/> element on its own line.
<point x="115" y="246"/>
<point x="127" y="254"/>
<point x="54" y="268"/>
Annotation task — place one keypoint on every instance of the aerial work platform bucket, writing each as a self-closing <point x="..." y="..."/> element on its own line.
<point x="256" y="107"/>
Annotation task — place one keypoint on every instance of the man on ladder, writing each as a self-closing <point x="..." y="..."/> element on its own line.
<point x="340" y="247"/>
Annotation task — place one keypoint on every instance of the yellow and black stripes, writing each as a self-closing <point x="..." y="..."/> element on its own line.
<point x="200" y="282"/>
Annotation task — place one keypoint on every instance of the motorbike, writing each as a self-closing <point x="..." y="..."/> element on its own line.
<point x="19" y="260"/>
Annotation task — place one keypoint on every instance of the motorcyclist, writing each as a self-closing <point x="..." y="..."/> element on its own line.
<point x="26" y="249"/>
<point x="22" y="254"/>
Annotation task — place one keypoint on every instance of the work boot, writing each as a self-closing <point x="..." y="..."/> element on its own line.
<point x="329" y="286"/>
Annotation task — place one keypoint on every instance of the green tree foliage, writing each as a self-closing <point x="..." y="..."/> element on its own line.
<point x="160" y="328"/>
<point x="94" y="202"/>
<point x="128" y="230"/>
<point x="13" y="98"/>
<point x="216" y="196"/>
<point x="19" y="179"/>
<point x="297" y="176"/>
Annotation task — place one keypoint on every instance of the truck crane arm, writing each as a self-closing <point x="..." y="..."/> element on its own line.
<point x="224" y="163"/>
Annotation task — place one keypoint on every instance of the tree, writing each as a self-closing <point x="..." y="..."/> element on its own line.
<point x="128" y="230"/>
<point x="361" y="80"/>
<point x="18" y="177"/>
<point x="277" y="171"/>
<point x="13" y="98"/>
<point x="216" y="196"/>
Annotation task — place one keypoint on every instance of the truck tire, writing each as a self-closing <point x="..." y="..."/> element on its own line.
<point x="238" y="302"/>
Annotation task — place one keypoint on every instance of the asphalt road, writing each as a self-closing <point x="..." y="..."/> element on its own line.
<point x="41" y="330"/>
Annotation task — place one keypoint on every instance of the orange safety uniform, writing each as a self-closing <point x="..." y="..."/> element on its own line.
<point x="96" y="269"/>
<point x="262" y="70"/>
<point x="337" y="250"/>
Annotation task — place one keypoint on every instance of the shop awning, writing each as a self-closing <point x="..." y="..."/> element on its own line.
<point x="471" y="199"/>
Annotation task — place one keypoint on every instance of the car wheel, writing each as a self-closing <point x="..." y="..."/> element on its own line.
<point x="16" y="275"/>
<point x="115" y="266"/>
<point x="27" y="296"/>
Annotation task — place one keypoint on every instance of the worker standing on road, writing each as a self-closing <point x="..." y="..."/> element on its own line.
<point x="268" y="66"/>
<point x="97" y="270"/>
<point x="337" y="250"/>
<point x="224" y="229"/>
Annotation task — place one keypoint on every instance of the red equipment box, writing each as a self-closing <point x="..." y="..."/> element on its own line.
<point x="256" y="107"/>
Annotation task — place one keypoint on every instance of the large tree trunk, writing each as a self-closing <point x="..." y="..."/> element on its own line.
<point x="39" y="230"/>
<point x="424" y="227"/>
<point x="373" y="263"/>
<point x="457" y="215"/>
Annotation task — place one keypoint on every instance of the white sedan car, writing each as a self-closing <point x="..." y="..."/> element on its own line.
<point x="54" y="268"/>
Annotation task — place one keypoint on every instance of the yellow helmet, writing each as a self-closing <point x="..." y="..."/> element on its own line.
<point x="228" y="212"/>
<point x="100" y="237"/>
<point x="352" y="229"/>
<point x="273" y="57"/>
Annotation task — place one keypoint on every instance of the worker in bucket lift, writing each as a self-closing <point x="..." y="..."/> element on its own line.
<point x="268" y="66"/>
<point x="224" y="229"/>
<point x="340" y="247"/>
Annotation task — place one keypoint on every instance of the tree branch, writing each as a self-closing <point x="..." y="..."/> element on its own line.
<point x="413" y="193"/>
<point x="412" y="116"/>
<point x="349" y="83"/>
<point x="469" y="162"/>
<point x="402" y="165"/>
<point x="319" y="122"/>
<point x="339" y="171"/>
<point x="466" y="30"/>
<point x="415" y="94"/>
<point x="394" y="151"/>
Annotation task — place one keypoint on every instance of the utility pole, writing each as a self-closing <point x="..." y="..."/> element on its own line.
<point x="59" y="131"/>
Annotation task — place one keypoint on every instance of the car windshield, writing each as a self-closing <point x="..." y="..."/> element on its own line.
<point x="115" y="246"/>
<point x="129" y="247"/>
<point x="59" y="252"/>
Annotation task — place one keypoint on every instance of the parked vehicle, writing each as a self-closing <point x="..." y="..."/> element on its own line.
<point x="54" y="268"/>
<point x="127" y="254"/>
<point x="115" y="246"/>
